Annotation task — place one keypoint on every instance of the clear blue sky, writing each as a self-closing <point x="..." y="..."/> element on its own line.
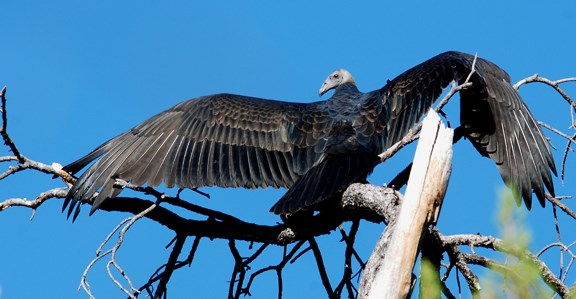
<point x="79" y="73"/>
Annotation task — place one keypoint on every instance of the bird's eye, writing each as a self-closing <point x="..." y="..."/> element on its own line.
<point x="336" y="76"/>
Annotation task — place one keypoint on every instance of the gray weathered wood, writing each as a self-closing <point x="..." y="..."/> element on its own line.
<point x="389" y="270"/>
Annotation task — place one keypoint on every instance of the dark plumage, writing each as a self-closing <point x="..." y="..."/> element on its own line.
<point x="317" y="149"/>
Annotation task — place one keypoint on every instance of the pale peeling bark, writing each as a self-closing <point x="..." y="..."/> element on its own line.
<point x="388" y="273"/>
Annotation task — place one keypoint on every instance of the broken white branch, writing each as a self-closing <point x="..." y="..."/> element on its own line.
<point x="389" y="270"/>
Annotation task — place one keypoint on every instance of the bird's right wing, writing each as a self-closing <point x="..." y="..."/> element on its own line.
<point x="220" y="140"/>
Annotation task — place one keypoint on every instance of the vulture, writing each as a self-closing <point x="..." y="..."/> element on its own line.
<point x="316" y="150"/>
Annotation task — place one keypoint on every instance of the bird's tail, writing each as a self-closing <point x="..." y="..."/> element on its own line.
<point x="326" y="180"/>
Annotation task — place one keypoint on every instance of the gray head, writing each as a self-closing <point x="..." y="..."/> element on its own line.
<point x="337" y="78"/>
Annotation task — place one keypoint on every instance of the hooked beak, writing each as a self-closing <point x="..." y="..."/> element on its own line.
<point x="325" y="88"/>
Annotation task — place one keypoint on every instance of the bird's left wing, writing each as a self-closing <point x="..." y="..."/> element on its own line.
<point x="493" y="116"/>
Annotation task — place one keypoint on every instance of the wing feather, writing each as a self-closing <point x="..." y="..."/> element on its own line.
<point x="230" y="140"/>
<point x="492" y="113"/>
<point x="224" y="140"/>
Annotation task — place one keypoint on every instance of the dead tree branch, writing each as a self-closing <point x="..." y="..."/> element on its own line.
<point x="554" y="84"/>
<point x="170" y="266"/>
<point x="493" y="243"/>
<point x="388" y="272"/>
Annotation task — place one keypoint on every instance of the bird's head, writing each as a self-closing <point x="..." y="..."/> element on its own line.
<point x="337" y="78"/>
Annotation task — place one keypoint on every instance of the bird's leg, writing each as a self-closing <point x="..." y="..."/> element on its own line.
<point x="299" y="217"/>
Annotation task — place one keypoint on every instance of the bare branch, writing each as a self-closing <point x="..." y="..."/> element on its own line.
<point x="321" y="267"/>
<point x="457" y="258"/>
<point x="493" y="243"/>
<point x="240" y="268"/>
<point x="33" y="204"/>
<point x="8" y="158"/>
<point x="562" y="206"/>
<point x="3" y="130"/>
<point x="347" y="273"/>
<point x="483" y="261"/>
<point x="570" y="139"/>
<point x="555" y="244"/>
<point x="567" y="150"/>
<point x="547" y="126"/>
<point x="128" y="222"/>
<point x="157" y="275"/>
<point x="170" y="266"/>
<point x="554" y="84"/>
<point x="278" y="268"/>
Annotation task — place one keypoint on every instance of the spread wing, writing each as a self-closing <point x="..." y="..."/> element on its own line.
<point x="236" y="141"/>
<point x="220" y="140"/>
<point x="493" y="117"/>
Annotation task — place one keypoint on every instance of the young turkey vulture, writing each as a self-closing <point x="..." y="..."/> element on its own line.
<point x="317" y="149"/>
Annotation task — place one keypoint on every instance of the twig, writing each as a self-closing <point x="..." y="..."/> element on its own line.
<point x="554" y="84"/>
<point x="24" y="163"/>
<point x="547" y="126"/>
<point x="278" y="268"/>
<point x="110" y="235"/>
<point x="238" y="268"/>
<point x="33" y="204"/>
<point x="457" y="259"/>
<point x="556" y="244"/>
<point x="559" y="238"/>
<point x="475" y="259"/>
<point x="3" y="130"/>
<point x="490" y="242"/>
<point x="119" y="244"/>
<point x="300" y="254"/>
<point x="128" y="222"/>
<point x="562" y="206"/>
<point x="170" y="266"/>
<point x="321" y="267"/>
<point x="157" y="274"/>
<point x="8" y="158"/>
<point x="565" y="157"/>
<point x="84" y="281"/>
<point x="347" y="273"/>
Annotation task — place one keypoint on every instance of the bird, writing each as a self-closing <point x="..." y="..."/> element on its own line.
<point x="316" y="150"/>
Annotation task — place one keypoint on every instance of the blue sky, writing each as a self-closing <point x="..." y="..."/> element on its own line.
<point x="79" y="73"/>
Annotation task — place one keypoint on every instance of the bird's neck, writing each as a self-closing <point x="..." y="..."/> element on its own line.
<point x="347" y="88"/>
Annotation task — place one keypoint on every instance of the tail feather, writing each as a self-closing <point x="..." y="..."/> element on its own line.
<point x="326" y="180"/>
